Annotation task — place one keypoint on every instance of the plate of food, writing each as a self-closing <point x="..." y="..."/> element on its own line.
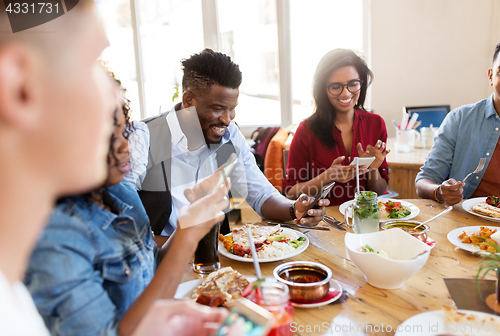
<point x="467" y="237"/>
<point x="389" y="209"/>
<point x="450" y="321"/>
<point x="220" y="288"/>
<point x="272" y="243"/>
<point x="484" y="207"/>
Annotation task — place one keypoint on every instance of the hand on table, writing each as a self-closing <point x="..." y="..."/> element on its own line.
<point x="180" y="317"/>
<point x="301" y="205"/>
<point x="379" y="151"/>
<point x="451" y="192"/>
<point x="342" y="174"/>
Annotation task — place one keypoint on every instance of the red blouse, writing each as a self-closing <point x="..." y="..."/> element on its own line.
<point x="309" y="157"/>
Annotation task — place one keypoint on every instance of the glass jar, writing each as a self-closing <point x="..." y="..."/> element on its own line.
<point x="274" y="297"/>
<point x="365" y="210"/>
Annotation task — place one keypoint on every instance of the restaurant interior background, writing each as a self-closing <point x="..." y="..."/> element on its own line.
<point x="422" y="52"/>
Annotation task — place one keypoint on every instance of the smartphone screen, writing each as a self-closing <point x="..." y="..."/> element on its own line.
<point x="322" y="194"/>
<point x="248" y="319"/>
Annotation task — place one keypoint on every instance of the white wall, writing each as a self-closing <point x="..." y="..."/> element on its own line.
<point x="430" y="52"/>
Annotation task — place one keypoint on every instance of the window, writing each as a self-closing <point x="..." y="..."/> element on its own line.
<point x="120" y="57"/>
<point x="170" y="31"/>
<point x="250" y="36"/>
<point x="251" y="32"/>
<point x="316" y="28"/>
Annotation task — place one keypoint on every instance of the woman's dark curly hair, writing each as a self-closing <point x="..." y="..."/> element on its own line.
<point x="321" y="122"/>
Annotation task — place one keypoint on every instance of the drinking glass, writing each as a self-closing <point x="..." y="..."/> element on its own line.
<point x="206" y="257"/>
<point x="365" y="213"/>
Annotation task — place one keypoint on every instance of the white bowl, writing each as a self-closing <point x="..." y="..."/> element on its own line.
<point x="403" y="249"/>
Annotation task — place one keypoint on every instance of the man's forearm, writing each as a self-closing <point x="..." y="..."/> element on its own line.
<point x="426" y="188"/>
<point x="277" y="207"/>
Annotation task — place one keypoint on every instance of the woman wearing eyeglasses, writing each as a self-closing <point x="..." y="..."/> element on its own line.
<point x="339" y="130"/>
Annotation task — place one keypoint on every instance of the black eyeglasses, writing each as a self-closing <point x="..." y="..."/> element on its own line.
<point x="352" y="86"/>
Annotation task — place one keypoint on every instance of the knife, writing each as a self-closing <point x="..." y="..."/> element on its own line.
<point x="333" y="222"/>
<point x="299" y="226"/>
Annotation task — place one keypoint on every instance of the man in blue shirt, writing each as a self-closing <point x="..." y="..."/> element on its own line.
<point x="175" y="150"/>
<point x="467" y="134"/>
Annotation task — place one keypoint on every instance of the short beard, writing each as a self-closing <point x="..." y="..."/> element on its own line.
<point x="208" y="142"/>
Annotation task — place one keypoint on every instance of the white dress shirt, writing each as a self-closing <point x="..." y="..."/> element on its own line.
<point x="190" y="167"/>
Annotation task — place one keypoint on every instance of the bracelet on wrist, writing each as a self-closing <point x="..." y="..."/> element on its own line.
<point x="436" y="196"/>
<point x="292" y="210"/>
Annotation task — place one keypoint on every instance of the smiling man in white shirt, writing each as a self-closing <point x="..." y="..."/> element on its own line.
<point x="179" y="148"/>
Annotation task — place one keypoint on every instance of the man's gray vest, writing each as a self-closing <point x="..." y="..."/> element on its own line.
<point x="155" y="192"/>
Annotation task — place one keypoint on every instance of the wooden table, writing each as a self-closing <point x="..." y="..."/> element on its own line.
<point x="369" y="307"/>
<point x="403" y="168"/>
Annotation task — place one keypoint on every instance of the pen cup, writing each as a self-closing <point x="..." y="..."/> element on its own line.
<point x="405" y="140"/>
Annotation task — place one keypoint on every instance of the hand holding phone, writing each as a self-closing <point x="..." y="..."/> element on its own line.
<point x="319" y="196"/>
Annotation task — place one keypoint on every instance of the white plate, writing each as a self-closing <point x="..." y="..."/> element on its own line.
<point x="185" y="289"/>
<point x="334" y="287"/>
<point x="467" y="206"/>
<point x="294" y="233"/>
<point x="453" y="237"/>
<point x="434" y="322"/>
<point x="412" y="207"/>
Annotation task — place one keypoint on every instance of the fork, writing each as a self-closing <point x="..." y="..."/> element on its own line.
<point x="480" y="167"/>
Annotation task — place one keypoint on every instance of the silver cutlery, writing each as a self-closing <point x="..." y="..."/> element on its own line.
<point x="333" y="219"/>
<point x="479" y="168"/>
<point x="333" y="223"/>
<point x="442" y="213"/>
<point x="299" y="226"/>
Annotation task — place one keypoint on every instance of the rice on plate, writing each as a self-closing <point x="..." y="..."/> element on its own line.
<point x="270" y="242"/>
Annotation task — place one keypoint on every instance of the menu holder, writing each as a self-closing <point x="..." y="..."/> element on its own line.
<point x="470" y="295"/>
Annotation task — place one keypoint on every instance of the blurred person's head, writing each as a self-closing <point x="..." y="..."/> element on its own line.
<point x="494" y="76"/>
<point x="118" y="161"/>
<point x="340" y="83"/>
<point x="211" y="84"/>
<point x="56" y="100"/>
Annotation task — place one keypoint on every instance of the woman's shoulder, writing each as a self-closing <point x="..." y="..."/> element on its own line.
<point x="304" y="127"/>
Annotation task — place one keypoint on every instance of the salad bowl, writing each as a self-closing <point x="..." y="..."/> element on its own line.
<point x="406" y="256"/>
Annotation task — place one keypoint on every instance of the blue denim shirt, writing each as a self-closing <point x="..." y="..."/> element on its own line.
<point x="90" y="265"/>
<point x="466" y="135"/>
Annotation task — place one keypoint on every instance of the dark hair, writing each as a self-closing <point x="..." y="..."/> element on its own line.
<point x="203" y="70"/>
<point x="497" y="51"/>
<point x="321" y="122"/>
